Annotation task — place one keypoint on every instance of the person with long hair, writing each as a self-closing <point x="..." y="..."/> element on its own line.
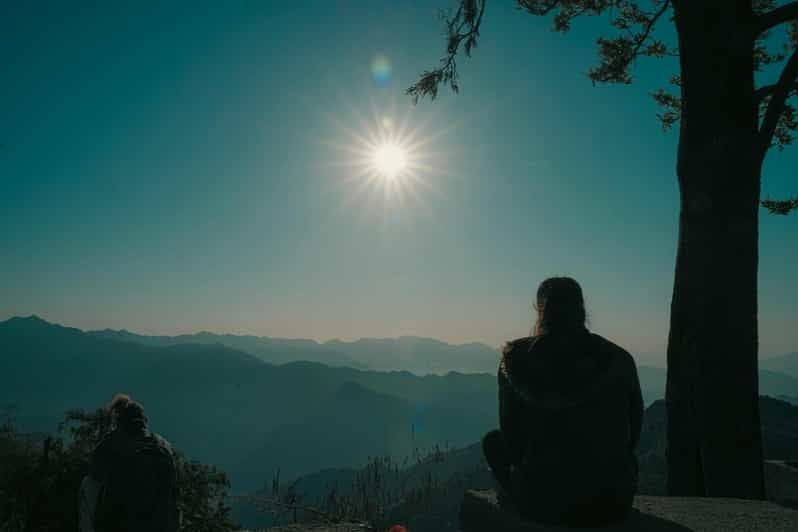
<point x="570" y="414"/>
<point x="132" y="483"/>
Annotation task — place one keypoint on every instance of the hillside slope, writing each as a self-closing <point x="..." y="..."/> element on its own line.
<point x="229" y="408"/>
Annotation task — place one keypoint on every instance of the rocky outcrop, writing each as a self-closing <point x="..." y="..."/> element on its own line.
<point x="480" y="512"/>
<point x="340" y="527"/>
<point x="781" y="482"/>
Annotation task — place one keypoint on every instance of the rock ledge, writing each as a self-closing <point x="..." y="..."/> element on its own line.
<point x="481" y="513"/>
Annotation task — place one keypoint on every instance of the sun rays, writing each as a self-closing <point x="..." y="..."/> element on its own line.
<point x="388" y="162"/>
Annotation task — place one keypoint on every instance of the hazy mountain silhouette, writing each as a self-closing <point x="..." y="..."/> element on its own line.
<point x="421" y="356"/>
<point x="355" y="422"/>
<point x="230" y="408"/>
<point x="777" y="384"/>
<point x="787" y="364"/>
<point x="271" y="350"/>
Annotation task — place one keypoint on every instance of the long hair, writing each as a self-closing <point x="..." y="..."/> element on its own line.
<point x="560" y="306"/>
<point x="128" y="414"/>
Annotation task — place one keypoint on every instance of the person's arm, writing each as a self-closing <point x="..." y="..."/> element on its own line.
<point x="101" y="458"/>
<point x="509" y="415"/>
<point x="635" y="408"/>
<point x="175" y="517"/>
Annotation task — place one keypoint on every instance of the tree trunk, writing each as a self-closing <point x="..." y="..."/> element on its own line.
<point x="714" y="437"/>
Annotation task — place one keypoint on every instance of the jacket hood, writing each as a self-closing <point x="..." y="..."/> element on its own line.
<point x="561" y="370"/>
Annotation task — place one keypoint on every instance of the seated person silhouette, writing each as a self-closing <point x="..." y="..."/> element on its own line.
<point x="131" y="484"/>
<point x="570" y="413"/>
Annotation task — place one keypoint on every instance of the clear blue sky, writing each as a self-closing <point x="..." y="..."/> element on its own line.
<point x="169" y="167"/>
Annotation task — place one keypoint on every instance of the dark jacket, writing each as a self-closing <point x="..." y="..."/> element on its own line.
<point x="570" y="411"/>
<point x="138" y="477"/>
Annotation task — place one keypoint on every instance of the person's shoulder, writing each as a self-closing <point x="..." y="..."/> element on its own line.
<point x="161" y="442"/>
<point x="619" y="354"/>
<point x="108" y="442"/>
<point x="519" y="343"/>
<point x="621" y="371"/>
<point x="513" y="353"/>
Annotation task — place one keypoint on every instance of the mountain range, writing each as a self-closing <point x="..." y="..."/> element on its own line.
<point x="786" y="364"/>
<point x="421" y="356"/>
<point x="231" y="407"/>
<point x="426" y="356"/>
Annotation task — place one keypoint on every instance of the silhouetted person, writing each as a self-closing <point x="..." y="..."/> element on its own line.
<point x="570" y="413"/>
<point x="132" y="475"/>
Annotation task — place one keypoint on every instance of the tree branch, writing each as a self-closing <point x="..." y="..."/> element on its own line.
<point x="618" y="54"/>
<point x="781" y="207"/>
<point x="537" y="9"/>
<point x="469" y="17"/>
<point x="773" y="18"/>
<point x="766" y="90"/>
<point x="780" y="93"/>
<point x="652" y="22"/>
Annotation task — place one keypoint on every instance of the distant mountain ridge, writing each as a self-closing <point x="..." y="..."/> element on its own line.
<point x="417" y="355"/>
<point x="228" y="407"/>
<point x="271" y="350"/>
<point x="787" y="364"/>
<point x="422" y="356"/>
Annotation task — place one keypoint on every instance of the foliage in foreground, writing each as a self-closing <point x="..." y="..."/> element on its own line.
<point x="422" y="493"/>
<point x="40" y="477"/>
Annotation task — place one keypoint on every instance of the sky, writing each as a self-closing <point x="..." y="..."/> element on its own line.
<point x="169" y="167"/>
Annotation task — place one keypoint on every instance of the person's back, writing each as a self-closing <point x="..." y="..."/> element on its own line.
<point x="136" y="470"/>
<point x="570" y="415"/>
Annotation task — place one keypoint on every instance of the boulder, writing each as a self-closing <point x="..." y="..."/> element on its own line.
<point x="781" y="482"/>
<point x="480" y="512"/>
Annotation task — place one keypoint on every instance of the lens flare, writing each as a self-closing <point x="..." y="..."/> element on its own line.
<point x="381" y="70"/>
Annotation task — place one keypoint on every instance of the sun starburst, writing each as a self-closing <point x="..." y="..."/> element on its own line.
<point x="388" y="163"/>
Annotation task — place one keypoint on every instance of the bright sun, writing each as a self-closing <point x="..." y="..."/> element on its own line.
<point x="389" y="160"/>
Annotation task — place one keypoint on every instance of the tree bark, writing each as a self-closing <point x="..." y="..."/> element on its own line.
<point x="714" y="436"/>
